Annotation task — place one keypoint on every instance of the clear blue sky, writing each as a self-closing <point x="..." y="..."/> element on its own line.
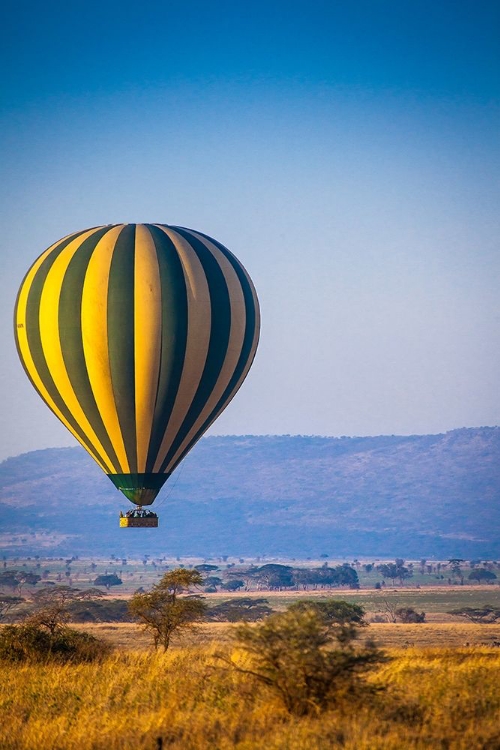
<point x="347" y="152"/>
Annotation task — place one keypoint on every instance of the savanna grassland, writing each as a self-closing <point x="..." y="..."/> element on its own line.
<point x="439" y="687"/>
<point x="433" y="698"/>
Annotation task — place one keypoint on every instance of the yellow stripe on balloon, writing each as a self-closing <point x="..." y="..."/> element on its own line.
<point x="51" y="344"/>
<point x="25" y="352"/>
<point x="198" y="338"/>
<point x="147" y="338"/>
<point x="95" y="340"/>
<point x="235" y="343"/>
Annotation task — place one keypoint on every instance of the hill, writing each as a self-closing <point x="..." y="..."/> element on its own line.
<point x="386" y="496"/>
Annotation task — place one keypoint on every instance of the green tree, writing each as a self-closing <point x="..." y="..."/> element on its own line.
<point x="389" y="570"/>
<point x="340" y="575"/>
<point x="206" y="568"/>
<point x="9" y="579"/>
<point x="111" y="579"/>
<point x="16" y="579"/>
<point x="164" y="610"/>
<point x="482" y="575"/>
<point x="273" y="575"/>
<point x="233" y="585"/>
<point x="395" y="570"/>
<point x="210" y="584"/>
<point x="456" y="570"/>
<point x="308" y="664"/>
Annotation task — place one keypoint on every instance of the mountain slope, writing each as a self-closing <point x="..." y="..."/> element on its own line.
<point x="249" y="495"/>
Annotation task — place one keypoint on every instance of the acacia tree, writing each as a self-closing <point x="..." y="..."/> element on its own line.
<point x="8" y="603"/>
<point x="233" y="585"/>
<point x="110" y="579"/>
<point x="485" y="615"/>
<point x="16" y="579"/>
<point x="481" y="575"/>
<point x="164" y="610"/>
<point x="52" y="606"/>
<point x="273" y="576"/>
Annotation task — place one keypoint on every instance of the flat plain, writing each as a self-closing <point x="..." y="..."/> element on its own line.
<point x="439" y="689"/>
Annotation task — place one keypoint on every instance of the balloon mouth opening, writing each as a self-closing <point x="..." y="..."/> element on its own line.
<point x="140" y="489"/>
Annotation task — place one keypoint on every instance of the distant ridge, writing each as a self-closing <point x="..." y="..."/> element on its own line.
<point x="409" y="496"/>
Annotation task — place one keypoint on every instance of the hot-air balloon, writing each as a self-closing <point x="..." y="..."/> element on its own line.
<point x="137" y="336"/>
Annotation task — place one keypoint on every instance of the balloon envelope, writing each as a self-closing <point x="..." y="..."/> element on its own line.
<point x="137" y="336"/>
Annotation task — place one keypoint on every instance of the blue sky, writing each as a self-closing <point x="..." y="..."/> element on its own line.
<point x="348" y="153"/>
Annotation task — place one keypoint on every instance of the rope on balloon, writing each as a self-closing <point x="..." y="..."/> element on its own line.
<point x="172" y="487"/>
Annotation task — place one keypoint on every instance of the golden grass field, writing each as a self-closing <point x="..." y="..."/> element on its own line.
<point x="434" y="698"/>
<point x="442" y="687"/>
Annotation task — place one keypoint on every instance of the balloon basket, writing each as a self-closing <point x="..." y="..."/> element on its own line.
<point x="138" y="523"/>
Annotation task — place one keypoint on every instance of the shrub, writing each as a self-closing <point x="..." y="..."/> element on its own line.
<point x="409" y="615"/>
<point x="308" y="664"/>
<point x="35" y="643"/>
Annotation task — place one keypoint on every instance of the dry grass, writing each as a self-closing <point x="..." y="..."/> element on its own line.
<point x="435" y="698"/>
<point x="129" y="637"/>
<point x="434" y="634"/>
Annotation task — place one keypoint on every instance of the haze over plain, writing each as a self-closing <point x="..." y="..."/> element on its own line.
<point x="347" y="154"/>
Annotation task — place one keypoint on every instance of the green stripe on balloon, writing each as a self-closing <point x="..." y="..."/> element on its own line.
<point x="121" y="337"/>
<point x="174" y="327"/>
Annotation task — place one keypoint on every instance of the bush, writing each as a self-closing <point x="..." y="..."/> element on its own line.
<point x="308" y="664"/>
<point x="409" y="615"/>
<point x="32" y="643"/>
